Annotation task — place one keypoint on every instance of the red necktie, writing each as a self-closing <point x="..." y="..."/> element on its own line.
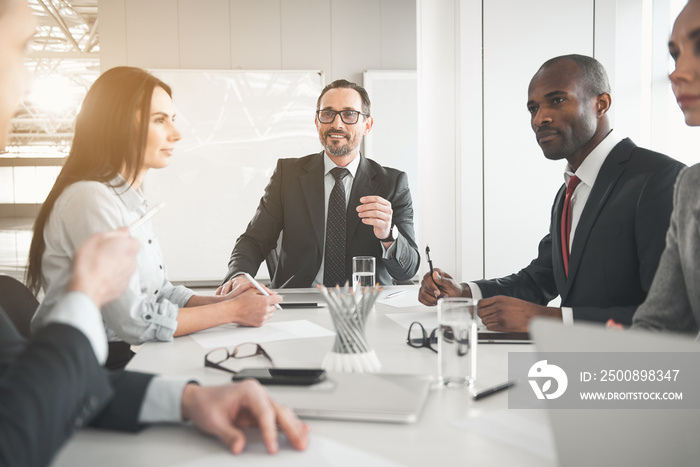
<point x="566" y="221"/>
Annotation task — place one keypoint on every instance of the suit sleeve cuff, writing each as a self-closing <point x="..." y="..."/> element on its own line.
<point x="389" y="253"/>
<point x="567" y="315"/>
<point x="78" y="310"/>
<point x="163" y="400"/>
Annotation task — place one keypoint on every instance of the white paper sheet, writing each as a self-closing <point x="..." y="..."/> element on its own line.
<point x="231" y="335"/>
<point x="408" y="298"/>
<point x="531" y="433"/>
<point x="321" y="451"/>
<point x="427" y="318"/>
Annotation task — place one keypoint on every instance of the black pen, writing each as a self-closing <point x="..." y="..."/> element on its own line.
<point x="493" y="390"/>
<point x="430" y="262"/>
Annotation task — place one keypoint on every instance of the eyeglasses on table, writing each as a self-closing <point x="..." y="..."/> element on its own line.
<point x="214" y="358"/>
<point x="418" y="337"/>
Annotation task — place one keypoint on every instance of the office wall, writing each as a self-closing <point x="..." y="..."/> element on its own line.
<point x="342" y="38"/>
<point x="486" y="187"/>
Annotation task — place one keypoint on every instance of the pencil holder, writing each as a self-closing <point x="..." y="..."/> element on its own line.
<point x="349" y="309"/>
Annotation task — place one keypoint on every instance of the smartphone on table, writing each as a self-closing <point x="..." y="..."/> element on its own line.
<point x="288" y="376"/>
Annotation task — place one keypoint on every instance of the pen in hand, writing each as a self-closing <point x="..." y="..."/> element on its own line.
<point x="430" y="262"/>
<point x="152" y="212"/>
<point x="260" y="288"/>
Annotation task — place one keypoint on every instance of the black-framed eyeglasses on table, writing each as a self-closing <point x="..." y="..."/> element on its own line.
<point x="418" y="337"/>
<point x="214" y="358"/>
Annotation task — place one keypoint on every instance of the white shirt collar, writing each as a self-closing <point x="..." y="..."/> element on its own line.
<point x="328" y="164"/>
<point x="589" y="168"/>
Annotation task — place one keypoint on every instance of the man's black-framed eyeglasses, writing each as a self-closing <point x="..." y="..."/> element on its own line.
<point x="214" y="358"/>
<point x="349" y="117"/>
<point x="418" y="337"/>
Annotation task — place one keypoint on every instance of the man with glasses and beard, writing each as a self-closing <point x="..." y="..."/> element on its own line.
<point x="331" y="206"/>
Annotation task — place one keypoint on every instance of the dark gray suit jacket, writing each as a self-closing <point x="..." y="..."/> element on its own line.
<point x="53" y="385"/>
<point x="617" y="244"/>
<point x="293" y="204"/>
<point x="673" y="303"/>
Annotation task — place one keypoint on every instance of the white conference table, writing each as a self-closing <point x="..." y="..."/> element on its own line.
<point x="494" y="435"/>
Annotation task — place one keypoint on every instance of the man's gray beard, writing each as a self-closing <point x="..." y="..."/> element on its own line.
<point x="343" y="150"/>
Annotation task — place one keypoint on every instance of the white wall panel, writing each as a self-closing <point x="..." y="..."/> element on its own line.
<point x="398" y="35"/>
<point x="256" y="35"/>
<point x="519" y="183"/>
<point x="112" y="18"/>
<point x="204" y="34"/>
<point x="437" y="131"/>
<point x="152" y="33"/>
<point x="355" y="38"/>
<point x="306" y="35"/>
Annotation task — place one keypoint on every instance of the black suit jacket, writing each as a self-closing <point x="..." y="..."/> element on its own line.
<point x="53" y="385"/>
<point x="293" y="204"/>
<point x="617" y="245"/>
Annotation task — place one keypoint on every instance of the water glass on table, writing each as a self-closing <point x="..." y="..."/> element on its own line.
<point x="457" y="338"/>
<point x="362" y="272"/>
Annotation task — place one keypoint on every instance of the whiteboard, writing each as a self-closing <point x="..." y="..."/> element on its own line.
<point x="393" y="140"/>
<point x="235" y="125"/>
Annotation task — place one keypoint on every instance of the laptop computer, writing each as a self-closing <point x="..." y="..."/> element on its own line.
<point x="374" y="397"/>
<point x="619" y="436"/>
<point x="497" y="337"/>
<point x="301" y="298"/>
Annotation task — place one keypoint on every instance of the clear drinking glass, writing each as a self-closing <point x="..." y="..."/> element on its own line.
<point x="457" y="338"/>
<point x="362" y="272"/>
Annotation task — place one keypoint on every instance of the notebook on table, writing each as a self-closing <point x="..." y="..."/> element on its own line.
<point x="373" y="397"/>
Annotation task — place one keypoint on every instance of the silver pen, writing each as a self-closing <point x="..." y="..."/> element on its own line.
<point x="395" y="294"/>
<point x="260" y="288"/>
<point x="151" y="212"/>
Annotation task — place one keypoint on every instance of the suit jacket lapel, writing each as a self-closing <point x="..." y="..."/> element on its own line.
<point x="609" y="174"/>
<point x="363" y="185"/>
<point x="312" y="186"/>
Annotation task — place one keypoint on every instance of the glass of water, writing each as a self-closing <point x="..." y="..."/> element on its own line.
<point x="362" y="272"/>
<point x="457" y="337"/>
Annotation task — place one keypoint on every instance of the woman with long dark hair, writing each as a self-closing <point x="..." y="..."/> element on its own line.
<point x="125" y="128"/>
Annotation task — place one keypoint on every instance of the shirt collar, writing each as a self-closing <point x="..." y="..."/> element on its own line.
<point x="589" y="168"/>
<point x="328" y="164"/>
<point x="132" y="199"/>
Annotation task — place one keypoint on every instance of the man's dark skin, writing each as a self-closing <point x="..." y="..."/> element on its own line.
<point x="568" y="123"/>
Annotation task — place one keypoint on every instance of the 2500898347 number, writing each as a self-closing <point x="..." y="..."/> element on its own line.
<point x="638" y="375"/>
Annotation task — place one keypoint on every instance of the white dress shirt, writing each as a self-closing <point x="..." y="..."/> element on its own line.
<point x="588" y="173"/>
<point x="149" y="308"/>
<point x="328" y="184"/>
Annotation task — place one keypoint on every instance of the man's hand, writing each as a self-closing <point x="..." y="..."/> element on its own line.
<point x="234" y="287"/>
<point x="103" y="265"/>
<point x="251" y="308"/>
<point x="223" y="411"/>
<point x="502" y="313"/>
<point x="377" y="212"/>
<point x="440" y="285"/>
